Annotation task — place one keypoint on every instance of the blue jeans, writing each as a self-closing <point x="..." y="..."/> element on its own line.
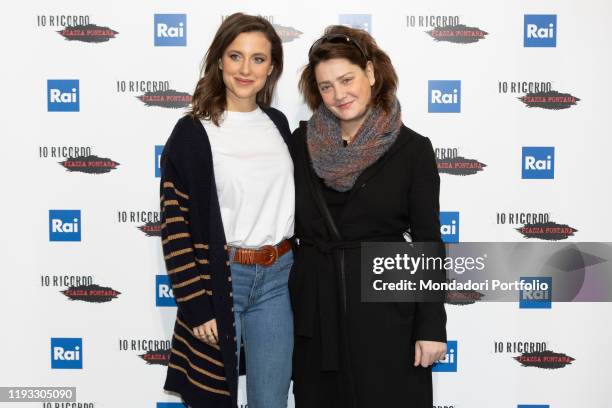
<point x="264" y="320"/>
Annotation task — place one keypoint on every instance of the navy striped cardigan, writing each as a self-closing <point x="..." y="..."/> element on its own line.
<point x="196" y="257"/>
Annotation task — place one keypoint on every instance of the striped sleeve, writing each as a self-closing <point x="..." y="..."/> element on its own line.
<point x="185" y="260"/>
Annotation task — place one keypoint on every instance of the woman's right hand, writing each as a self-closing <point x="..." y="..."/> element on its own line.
<point x="207" y="332"/>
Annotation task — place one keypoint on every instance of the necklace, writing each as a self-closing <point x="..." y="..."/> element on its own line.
<point x="346" y="140"/>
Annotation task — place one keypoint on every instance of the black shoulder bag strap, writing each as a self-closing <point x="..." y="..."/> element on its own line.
<point x="316" y="190"/>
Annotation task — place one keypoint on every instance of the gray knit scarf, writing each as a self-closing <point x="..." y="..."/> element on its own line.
<point x="339" y="166"/>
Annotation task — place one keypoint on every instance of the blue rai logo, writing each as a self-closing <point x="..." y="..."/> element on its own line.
<point x="163" y="291"/>
<point x="449" y="226"/>
<point x="64" y="225"/>
<point x="538" y="162"/>
<point x="158" y="152"/>
<point x="63" y="95"/>
<point x="536" y="299"/>
<point x="540" y="30"/>
<point x="444" y="96"/>
<point x="449" y="364"/>
<point x="170" y="30"/>
<point x="66" y="353"/>
<point x="359" y="21"/>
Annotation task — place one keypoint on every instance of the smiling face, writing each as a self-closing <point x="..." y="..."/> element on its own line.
<point x="345" y="88"/>
<point x="246" y="64"/>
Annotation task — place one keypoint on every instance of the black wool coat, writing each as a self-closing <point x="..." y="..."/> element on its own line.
<point x="348" y="353"/>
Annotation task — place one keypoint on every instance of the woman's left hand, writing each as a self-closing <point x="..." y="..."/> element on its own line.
<point x="428" y="352"/>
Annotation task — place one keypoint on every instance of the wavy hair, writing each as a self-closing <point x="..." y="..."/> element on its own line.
<point x="209" y="98"/>
<point x="386" y="81"/>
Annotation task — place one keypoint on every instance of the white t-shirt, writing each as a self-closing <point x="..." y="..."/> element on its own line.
<point x="254" y="177"/>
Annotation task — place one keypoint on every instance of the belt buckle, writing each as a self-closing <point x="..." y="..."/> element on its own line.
<point x="271" y="253"/>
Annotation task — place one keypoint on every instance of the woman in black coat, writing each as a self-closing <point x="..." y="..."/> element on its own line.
<point x="360" y="175"/>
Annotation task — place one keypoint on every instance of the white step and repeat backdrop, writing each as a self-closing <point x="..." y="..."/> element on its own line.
<point x="515" y="96"/>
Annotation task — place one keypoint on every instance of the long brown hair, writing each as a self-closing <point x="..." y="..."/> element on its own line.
<point x="385" y="85"/>
<point x="209" y="100"/>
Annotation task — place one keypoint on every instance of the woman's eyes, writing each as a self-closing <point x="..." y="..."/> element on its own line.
<point x="258" y="60"/>
<point x="343" y="81"/>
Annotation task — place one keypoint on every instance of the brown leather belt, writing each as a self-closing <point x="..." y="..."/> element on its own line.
<point x="265" y="256"/>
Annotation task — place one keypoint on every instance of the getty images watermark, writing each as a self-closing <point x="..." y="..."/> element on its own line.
<point x="413" y="264"/>
<point x="494" y="272"/>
